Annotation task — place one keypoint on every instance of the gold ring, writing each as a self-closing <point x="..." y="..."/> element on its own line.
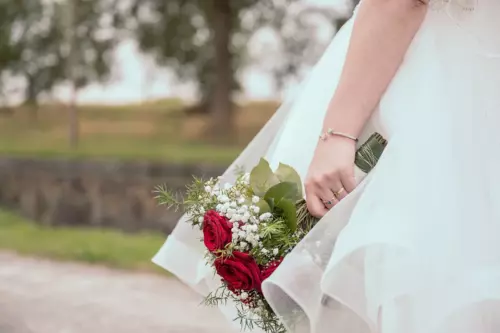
<point x="331" y="201"/>
<point x="339" y="192"/>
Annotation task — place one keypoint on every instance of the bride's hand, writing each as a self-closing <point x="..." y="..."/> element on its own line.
<point x="331" y="174"/>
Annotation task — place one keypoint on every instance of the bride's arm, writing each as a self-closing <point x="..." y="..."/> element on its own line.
<point x="382" y="33"/>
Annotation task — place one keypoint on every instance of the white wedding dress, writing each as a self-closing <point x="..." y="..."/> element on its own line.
<point x="416" y="247"/>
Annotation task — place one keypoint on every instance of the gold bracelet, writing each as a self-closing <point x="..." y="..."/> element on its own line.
<point x="331" y="132"/>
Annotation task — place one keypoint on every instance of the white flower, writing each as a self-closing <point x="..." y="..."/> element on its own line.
<point x="235" y="236"/>
<point x="265" y="216"/>
<point x="243" y="209"/>
<point x="208" y="189"/>
<point x="243" y="296"/>
<point x="244" y="219"/>
<point x="256" y="209"/>
<point x="245" y="178"/>
<point x="219" y="207"/>
<point x="237" y="193"/>
<point x="265" y="251"/>
<point x="255" y="199"/>
<point x="242" y="234"/>
<point x="243" y="245"/>
<point x="202" y="210"/>
<point x="223" y="198"/>
<point x="200" y="219"/>
<point x="228" y="186"/>
<point x="275" y="251"/>
<point x="241" y="200"/>
<point x="233" y="204"/>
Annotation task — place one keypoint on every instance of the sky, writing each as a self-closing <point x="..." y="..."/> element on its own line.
<point x="135" y="78"/>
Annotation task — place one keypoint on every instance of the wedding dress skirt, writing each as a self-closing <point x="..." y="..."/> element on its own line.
<point x="416" y="247"/>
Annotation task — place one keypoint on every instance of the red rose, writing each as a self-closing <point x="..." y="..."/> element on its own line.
<point x="240" y="271"/>
<point x="269" y="270"/>
<point x="216" y="231"/>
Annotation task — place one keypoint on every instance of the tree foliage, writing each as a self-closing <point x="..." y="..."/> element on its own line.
<point x="180" y="35"/>
<point x="34" y="46"/>
<point x="205" y="42"/>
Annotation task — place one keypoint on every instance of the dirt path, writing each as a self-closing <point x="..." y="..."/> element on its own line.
<point x="40" y="296"/>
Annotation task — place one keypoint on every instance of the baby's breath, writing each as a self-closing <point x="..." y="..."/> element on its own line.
<point x="265" y="236"/>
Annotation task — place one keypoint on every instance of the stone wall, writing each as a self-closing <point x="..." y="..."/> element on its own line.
<point x="94" y="193"/>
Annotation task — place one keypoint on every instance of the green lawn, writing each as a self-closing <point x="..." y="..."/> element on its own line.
<point x="106" y="247"/>
<point x="153" y="131"/>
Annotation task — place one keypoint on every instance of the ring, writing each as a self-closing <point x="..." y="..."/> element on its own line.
<point x="330" y="202"/>
<point x="339" y="192"/>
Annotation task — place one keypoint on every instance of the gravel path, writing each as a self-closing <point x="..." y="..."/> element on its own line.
<point x="41" y="296"/>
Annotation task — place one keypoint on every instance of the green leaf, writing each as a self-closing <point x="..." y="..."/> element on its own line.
<point x="285" y="190"/>
<point x="264" y="207"/>
<point x="286" y="173"/>
<point x="262" y="178"/>
<point x="370" y="152"/>
<point x="289" y="213"/>
<point x="270" y="202"/>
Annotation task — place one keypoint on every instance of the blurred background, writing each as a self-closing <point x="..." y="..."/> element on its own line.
<point x="100" y="101"/>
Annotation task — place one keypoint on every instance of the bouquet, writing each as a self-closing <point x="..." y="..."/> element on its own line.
<point x="249" y="226"/>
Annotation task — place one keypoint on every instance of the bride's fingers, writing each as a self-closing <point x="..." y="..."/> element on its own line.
<point x="316" y="206"/>
<point x="348" y="181"/>
<point x="315" y="199"/>
<point x="328" y="197"/>
<point x="337" y="190"/>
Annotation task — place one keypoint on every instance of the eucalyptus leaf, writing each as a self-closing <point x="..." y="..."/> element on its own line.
<point x="270" y="202"/>
<point x="262" y="178"/>
<point x="286" y="173"/>
<point x="289" y="212"/>
<point x="264" y="207"/>
<point x="285" y="190"/>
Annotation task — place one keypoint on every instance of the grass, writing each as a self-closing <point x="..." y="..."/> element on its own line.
<point x="106" y="247"/>
<point x="158" y="130"/>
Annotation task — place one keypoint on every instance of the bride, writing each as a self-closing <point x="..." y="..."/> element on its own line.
<point x="413" y="247"/>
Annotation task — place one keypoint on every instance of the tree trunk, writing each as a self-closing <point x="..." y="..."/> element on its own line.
<point x="31" y="101"/>
<point x="73" y="126"/>
<point x="221" y="101"/>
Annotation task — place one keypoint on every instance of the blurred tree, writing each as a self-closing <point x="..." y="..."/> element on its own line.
<point x="341" y="21"/>
<point x="36" y="46"/>
<point x="205" y="41"/>
<point x="15" y="19"/>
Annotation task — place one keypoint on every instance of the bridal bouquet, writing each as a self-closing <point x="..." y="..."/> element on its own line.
<point x="249" y="226"/>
